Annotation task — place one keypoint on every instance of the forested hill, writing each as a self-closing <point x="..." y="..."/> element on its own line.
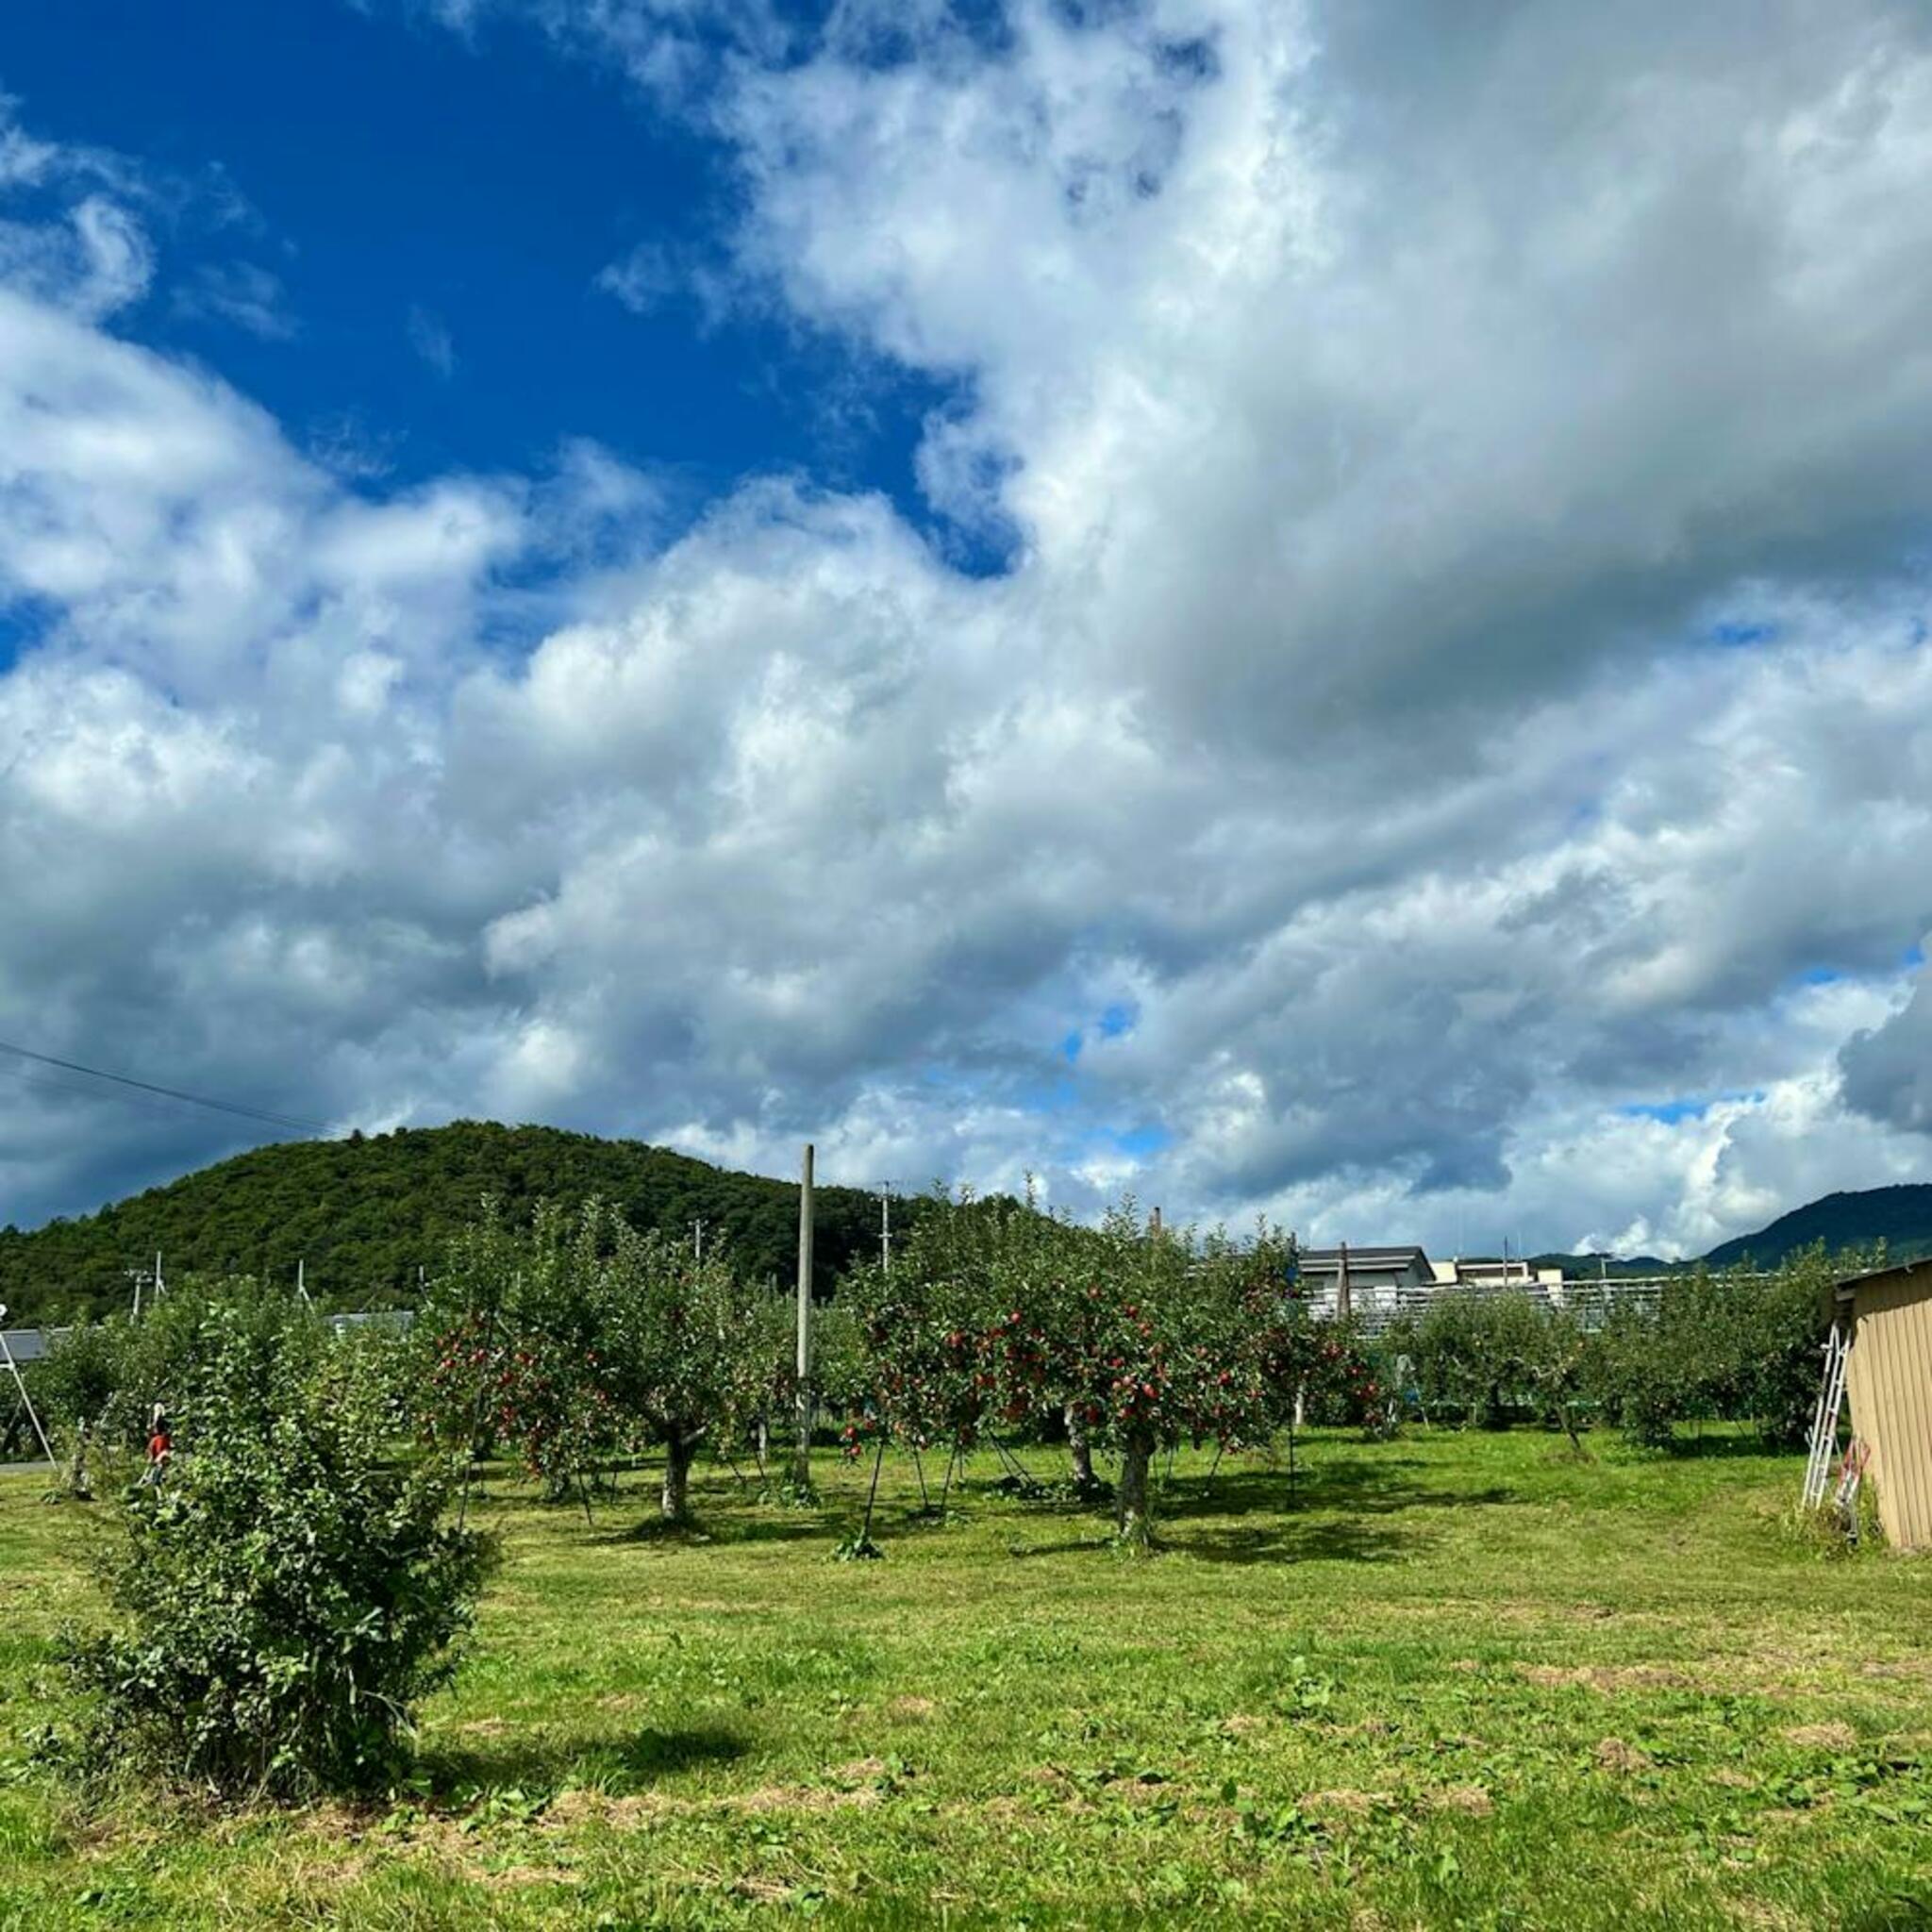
<point x="1900" y="1217"/>
<point x="366" y="1212"/>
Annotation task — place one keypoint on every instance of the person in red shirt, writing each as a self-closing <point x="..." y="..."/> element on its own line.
<point x="159" y="1447"/>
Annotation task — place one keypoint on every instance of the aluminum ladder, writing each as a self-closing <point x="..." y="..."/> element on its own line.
<point x="1825" y="1418"/>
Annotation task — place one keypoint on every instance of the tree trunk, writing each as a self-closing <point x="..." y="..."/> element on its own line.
<point x="1080" y="1449"/>
<point x="680" y="1447"/>
<point x="1130" y="1503"/>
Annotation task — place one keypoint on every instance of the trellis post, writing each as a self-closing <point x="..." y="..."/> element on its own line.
<point x="801" y="1474"/>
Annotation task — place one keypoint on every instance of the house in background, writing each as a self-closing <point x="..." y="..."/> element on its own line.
<point x="1374" y="1285"/>
<point x="1369" y="1282"/>
<point x="1479" y="1271"/>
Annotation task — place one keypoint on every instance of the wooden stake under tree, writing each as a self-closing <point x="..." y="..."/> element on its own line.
<point x="801" y="1470"/>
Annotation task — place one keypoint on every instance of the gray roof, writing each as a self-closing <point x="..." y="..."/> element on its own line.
<point x="1364" y="1257"/>
<point x="26" y="1345"/>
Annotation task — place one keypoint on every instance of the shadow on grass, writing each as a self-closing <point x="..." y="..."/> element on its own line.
<point x="1088" y="1546"/>
<point x="1331" y="1539"/>
<point x="1902" y="1911"/>
<point x="1362" y="1484"/>
<point x="715" y="1531"/>
<point x="1723" y="1448"/>
<point x="540" y="1762"/>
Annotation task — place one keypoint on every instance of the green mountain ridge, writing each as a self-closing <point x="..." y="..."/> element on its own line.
<point x="1901" y="1217"/>
<point x="365" y="1213"/>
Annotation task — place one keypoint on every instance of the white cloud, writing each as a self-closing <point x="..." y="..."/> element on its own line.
<point x="430" y="338"/>
<point x="99" y="260"/>
<point x="644" y="279"/>
<point x="240" y="292"/>
<point x="1394" y="423"/>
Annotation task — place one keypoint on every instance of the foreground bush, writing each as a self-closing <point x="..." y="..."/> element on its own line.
<point x="1721" y="1346"/>
<point x="285" y="1600"/>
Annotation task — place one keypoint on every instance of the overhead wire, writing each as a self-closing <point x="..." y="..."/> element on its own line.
<point x="236" y="1107"/>
<point x="21" y="1075"/>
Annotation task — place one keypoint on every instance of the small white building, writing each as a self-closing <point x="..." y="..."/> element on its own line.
<point x="1375" y="1285"/>
<point x="1479" y="1271"/>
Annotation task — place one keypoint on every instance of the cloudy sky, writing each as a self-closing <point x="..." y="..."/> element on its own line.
<point x="1317" y="609"/>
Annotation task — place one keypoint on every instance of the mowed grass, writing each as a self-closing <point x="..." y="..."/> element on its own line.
<point x="1463" y="1680"/>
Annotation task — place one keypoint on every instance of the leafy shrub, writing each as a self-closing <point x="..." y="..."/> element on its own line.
<point x="1482" y="1353"/>
<point x="219" y="1351"/>
<point x="76" y="1379"/>
<point x="371" y="1375"/>
<point x="1718" y="1346"/>
<point x="74" y="1388"/>
<point x="285" y="1599"/>
<point x="212" y="1351"/>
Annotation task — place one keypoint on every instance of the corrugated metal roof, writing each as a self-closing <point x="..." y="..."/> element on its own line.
<point x="1899" y="1269"/>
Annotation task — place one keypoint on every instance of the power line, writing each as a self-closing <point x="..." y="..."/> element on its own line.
<point x="250" y="1114"/>
<point x="80" y="1090"/>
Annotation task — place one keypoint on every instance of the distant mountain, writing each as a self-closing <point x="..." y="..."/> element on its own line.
<point x="366" y="1212"/>
<point x="1619" y="1268"/>
<point x="1900" y="1217"/>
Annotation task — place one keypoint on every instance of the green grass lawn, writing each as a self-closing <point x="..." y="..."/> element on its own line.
<point x="1462" y="1680"/>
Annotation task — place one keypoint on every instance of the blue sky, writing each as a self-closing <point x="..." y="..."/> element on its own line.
<point x="1008" y="590"/>
<point x="404" y="184"/>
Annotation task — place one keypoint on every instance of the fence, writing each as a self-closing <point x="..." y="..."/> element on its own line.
<point x="1374" y="1306"/>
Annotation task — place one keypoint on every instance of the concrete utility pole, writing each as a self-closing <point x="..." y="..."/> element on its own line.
<point x="801" y="1474"/>
<point x="886" y="1229"/>
<point x="1343" y="1294"/>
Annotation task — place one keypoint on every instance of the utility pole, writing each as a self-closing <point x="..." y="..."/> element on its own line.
<point x="697" y="1242"/>
<point x="886" y="1229"/>
<point x="801" y="1472"/>
<point x="1344" y="1295"/>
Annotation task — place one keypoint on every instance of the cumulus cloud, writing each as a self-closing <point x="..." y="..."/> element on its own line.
<point x="1450" y="757"/>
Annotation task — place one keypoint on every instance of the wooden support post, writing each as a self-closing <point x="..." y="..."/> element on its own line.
<point x="801" y="1471"/>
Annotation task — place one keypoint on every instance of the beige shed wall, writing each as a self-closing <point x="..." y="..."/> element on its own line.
<point x="1890" y="1379"/>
